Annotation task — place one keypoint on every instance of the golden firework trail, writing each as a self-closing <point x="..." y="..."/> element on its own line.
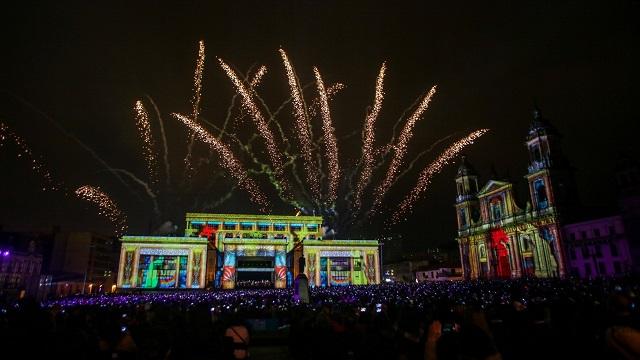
<point x="251" y="108"/>
<point x="368" y="139"/>
<point x="106" y="206"/>
<point x="228" y="161"/>
<point x="400" y="148"/>
<point x="25" y="151"/>
<point x="302" y="127"/>
<point x="144" y="130"/>
<point x="406" y="206"/>
<point x="257" y="77"/>
<point x="195" y="102"/>
<point x="330" y="142"/>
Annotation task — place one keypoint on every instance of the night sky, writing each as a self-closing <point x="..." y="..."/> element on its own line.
<point x="85" y="65"/>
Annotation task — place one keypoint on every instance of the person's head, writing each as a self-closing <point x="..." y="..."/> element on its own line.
<point x="620" y="304"/>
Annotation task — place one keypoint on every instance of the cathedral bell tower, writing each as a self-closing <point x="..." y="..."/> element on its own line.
<point x="467" y="206"/>
<point x="551" y="187"/>
<point x="549" y="175"/>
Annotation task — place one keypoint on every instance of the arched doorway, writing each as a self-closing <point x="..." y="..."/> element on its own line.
<point x="500" y="253"/>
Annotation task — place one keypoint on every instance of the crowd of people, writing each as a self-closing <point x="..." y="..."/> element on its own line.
<point x="482" y="319"/>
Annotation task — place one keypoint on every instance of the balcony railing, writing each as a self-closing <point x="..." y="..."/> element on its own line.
<point x="464" y="197"/>
<point x="539" y="165"/>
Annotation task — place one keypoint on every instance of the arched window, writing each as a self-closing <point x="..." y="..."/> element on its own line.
<point x="463" y="217"/>
<point x="540" y="191"/>
<point x="535" y="153"/>
<point x="496" y="207"/>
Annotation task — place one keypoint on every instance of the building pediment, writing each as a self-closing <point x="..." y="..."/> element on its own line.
<point x="492" y="186"/>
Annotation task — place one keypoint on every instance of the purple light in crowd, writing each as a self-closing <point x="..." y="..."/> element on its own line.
<point x="5" y="253"/>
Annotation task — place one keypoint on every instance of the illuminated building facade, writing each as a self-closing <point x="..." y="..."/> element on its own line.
<point x="153" y="262"/>
<point x="227" y="250"/>
<point x="498" y="239"/>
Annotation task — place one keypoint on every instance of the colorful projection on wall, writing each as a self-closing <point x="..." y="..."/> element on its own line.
<point x="163" y="272"/>
<point x="128" y="268"/>
<point x="197" y="268"/>
<point x="500" y="253"/>
<point x="208" y="231"/>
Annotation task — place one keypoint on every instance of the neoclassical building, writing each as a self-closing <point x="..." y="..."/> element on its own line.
<point x="499" y="239"/>
<point x="225" y="250"/>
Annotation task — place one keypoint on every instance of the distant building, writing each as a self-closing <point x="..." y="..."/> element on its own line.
<point x="439" y="274"/>
<point x="82" y="262"/>
<point x="403" y="271"/>
<point x="20" y="264"/>
<point x="499" y="239"/>
<point x="597" y="248"/>
<point x="628" y="185"/>
<point x="609" y="246"/>
<point x="412" y="267"/>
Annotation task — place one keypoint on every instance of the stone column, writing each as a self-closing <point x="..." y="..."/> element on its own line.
<point x="123" y="250"/>
<point x="515" y="250"/>
<point x="377" y="266"/>
<point x="136" y="263"/>
<point x="473" y="260"/>
<point x="190" y="268"/>
<point x="317" y="268"/>
<point x="464" y="270"/>
<point x="203" y="262"/>
<point x="562" y="272"/>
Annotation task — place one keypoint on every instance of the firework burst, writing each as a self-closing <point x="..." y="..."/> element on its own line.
<point x="282" y="163"/>
<point x="317" y="154"/>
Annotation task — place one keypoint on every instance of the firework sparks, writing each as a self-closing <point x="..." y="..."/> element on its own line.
<point x="165" y="146"/>
<point x="432" y="169"/>
<point x="330" y="142"/>
<point x="197" y="81"/>
<point x="302" y="126"/>
<point x="400" y="148"/>
<point x="36" y="165"/>
<point x="107" y="207"/>
<point x="331" y="92"/>
<point x="369" y="135"/>
<point x="257" y="77"/>
<point x="144" y="129"/>
<point x="250" y="107"/>
<point x="195" y="102"/>
<point x="227" y="161"/>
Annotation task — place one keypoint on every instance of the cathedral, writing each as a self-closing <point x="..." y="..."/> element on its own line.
<point x="499" y="239"/>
